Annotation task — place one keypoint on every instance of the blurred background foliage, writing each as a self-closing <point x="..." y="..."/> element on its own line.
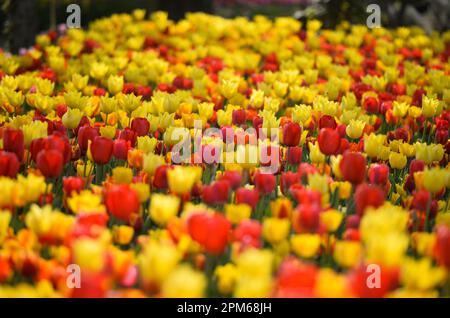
<point x="21" y="20"/>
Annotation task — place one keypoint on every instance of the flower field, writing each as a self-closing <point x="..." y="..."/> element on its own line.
<point x="143" y="157"/>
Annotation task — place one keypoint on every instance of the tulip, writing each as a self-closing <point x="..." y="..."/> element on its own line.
<point x="101" y="150"/>
<point x="234" y="178"/>
<point x="210" y="231"/>
<point x="72" y="184"/>
<point x="238" y="116"/>
<point x="291" y="134"/>
<point x="264" y="182"/>
<point x="120" y="149"/>
<point x="248" y="196"/>
<point x="442" y="247"/>
<point x="9" y="164"/>
<point x="353" y="167"/>
<point x="160" y="177"/>
<point x="248" y="233"/>
<point x="294" y="155"/>
<point x="287" y="179"/>
<point x="140" y="126"/>
<point x="122" y="201"/>
<point x="60" y="143"/>
<point x="50" y="163"/>
<point x="371" y="104"/>
<point x="216" y="193"/>
<point x="128" y="135"/>
<point x="327" y="121"/>
<point x="329" y="141"/>
<point x="368" y="195"/>
<point x="378" y="174"/>
<point x="86" y="133"/>
<point x="13" y="141"/>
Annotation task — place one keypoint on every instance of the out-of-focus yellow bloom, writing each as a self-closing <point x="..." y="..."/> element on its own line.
<point x="184" y="282"/>
<point x="423" y="243"/>
<point x="5" y="218"/>
<point x="115" y="84"/>
<point x="373" y="144"/>
<point x="331" y="219"/>
<point x="157" y="262"/>
<point x="348" y="254"/>
<point x="400" y="109"/>
<point x="163" y="208"/>
<point x="181" y="179"/>
<point x="315" y="154"/>
<point x="33" y="186"/>
<point x="89" y="254"/>
<point x="254" y="273"/>
<point x="151" y="162"/>
<point x="355" y="128"/>
<point x="301" y="114"/>
<point x="98" y="70"/>
<point x="71" y="119"/>
<point x="331" y="284"/>
<point x="122" y="234"/>
<point x="275" y="230"/>
<point x="397" y="160"/>
<point x="142" y="190"/>
<point x="226" y="278"/>
<point x="122" y="175"/>
<point x="434" y="179"/>
<point x="429" y="106"/>
<point x="146" y="143"/>
<point x="420" y="274"/>
<point x="407" y="149"/>
<point x="86" y="202"/>
<point x="305" y="245"/>
<point x="237" y="212"/>
<point x="108" y="131"/>
<point x="229" y="88"/>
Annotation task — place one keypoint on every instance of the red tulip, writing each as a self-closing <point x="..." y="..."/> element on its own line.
<point x="378" y="174"/>
<point x="264" y="182"/>
<point x="101" y="150"/>
<point x="371" y="104"/>
<point x="13" y="142"/>
<point x="441" y="137"/>
<point x="60" y="143"/>
<point x="72" y="184"/>
<point x="368" y="195"/>
<point x="306" y="196"/>
<point x="248" y="196"/>
<point x="291" y="134"/>
<point x="160" y="177"/>
<point x="238" y="116"/>
<point x="442" y="246"/>
<point x="128" y="135"/>
<point x="86" y="133"/>
<point x="329" y="141"/>
<point x="120" y="149"/>
<point x="122" y="201"/>
<point x="234" y="178"/>
<point x="50" y="162"/>
<point x="9" y="164"/>
<point x="307" y="218"/>
<point x="353" y="167"/>
<point x="327" y="121"/>
<point x="287" y="179"/>
<point x="248" y="233"/>
<point x="358" y="278"/>
<point x="295" y="279"/>
<point x="210" y="231"/>
<point x="216" y="193"/>
<point x="294" y="155"/>
<point x="416" y="166"/>
<point x="140" y="126"/>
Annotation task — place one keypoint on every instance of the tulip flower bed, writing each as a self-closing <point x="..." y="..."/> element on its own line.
<point x="348" y="195"/>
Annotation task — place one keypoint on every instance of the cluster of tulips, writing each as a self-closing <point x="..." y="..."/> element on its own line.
<point x="361" y="184"/>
